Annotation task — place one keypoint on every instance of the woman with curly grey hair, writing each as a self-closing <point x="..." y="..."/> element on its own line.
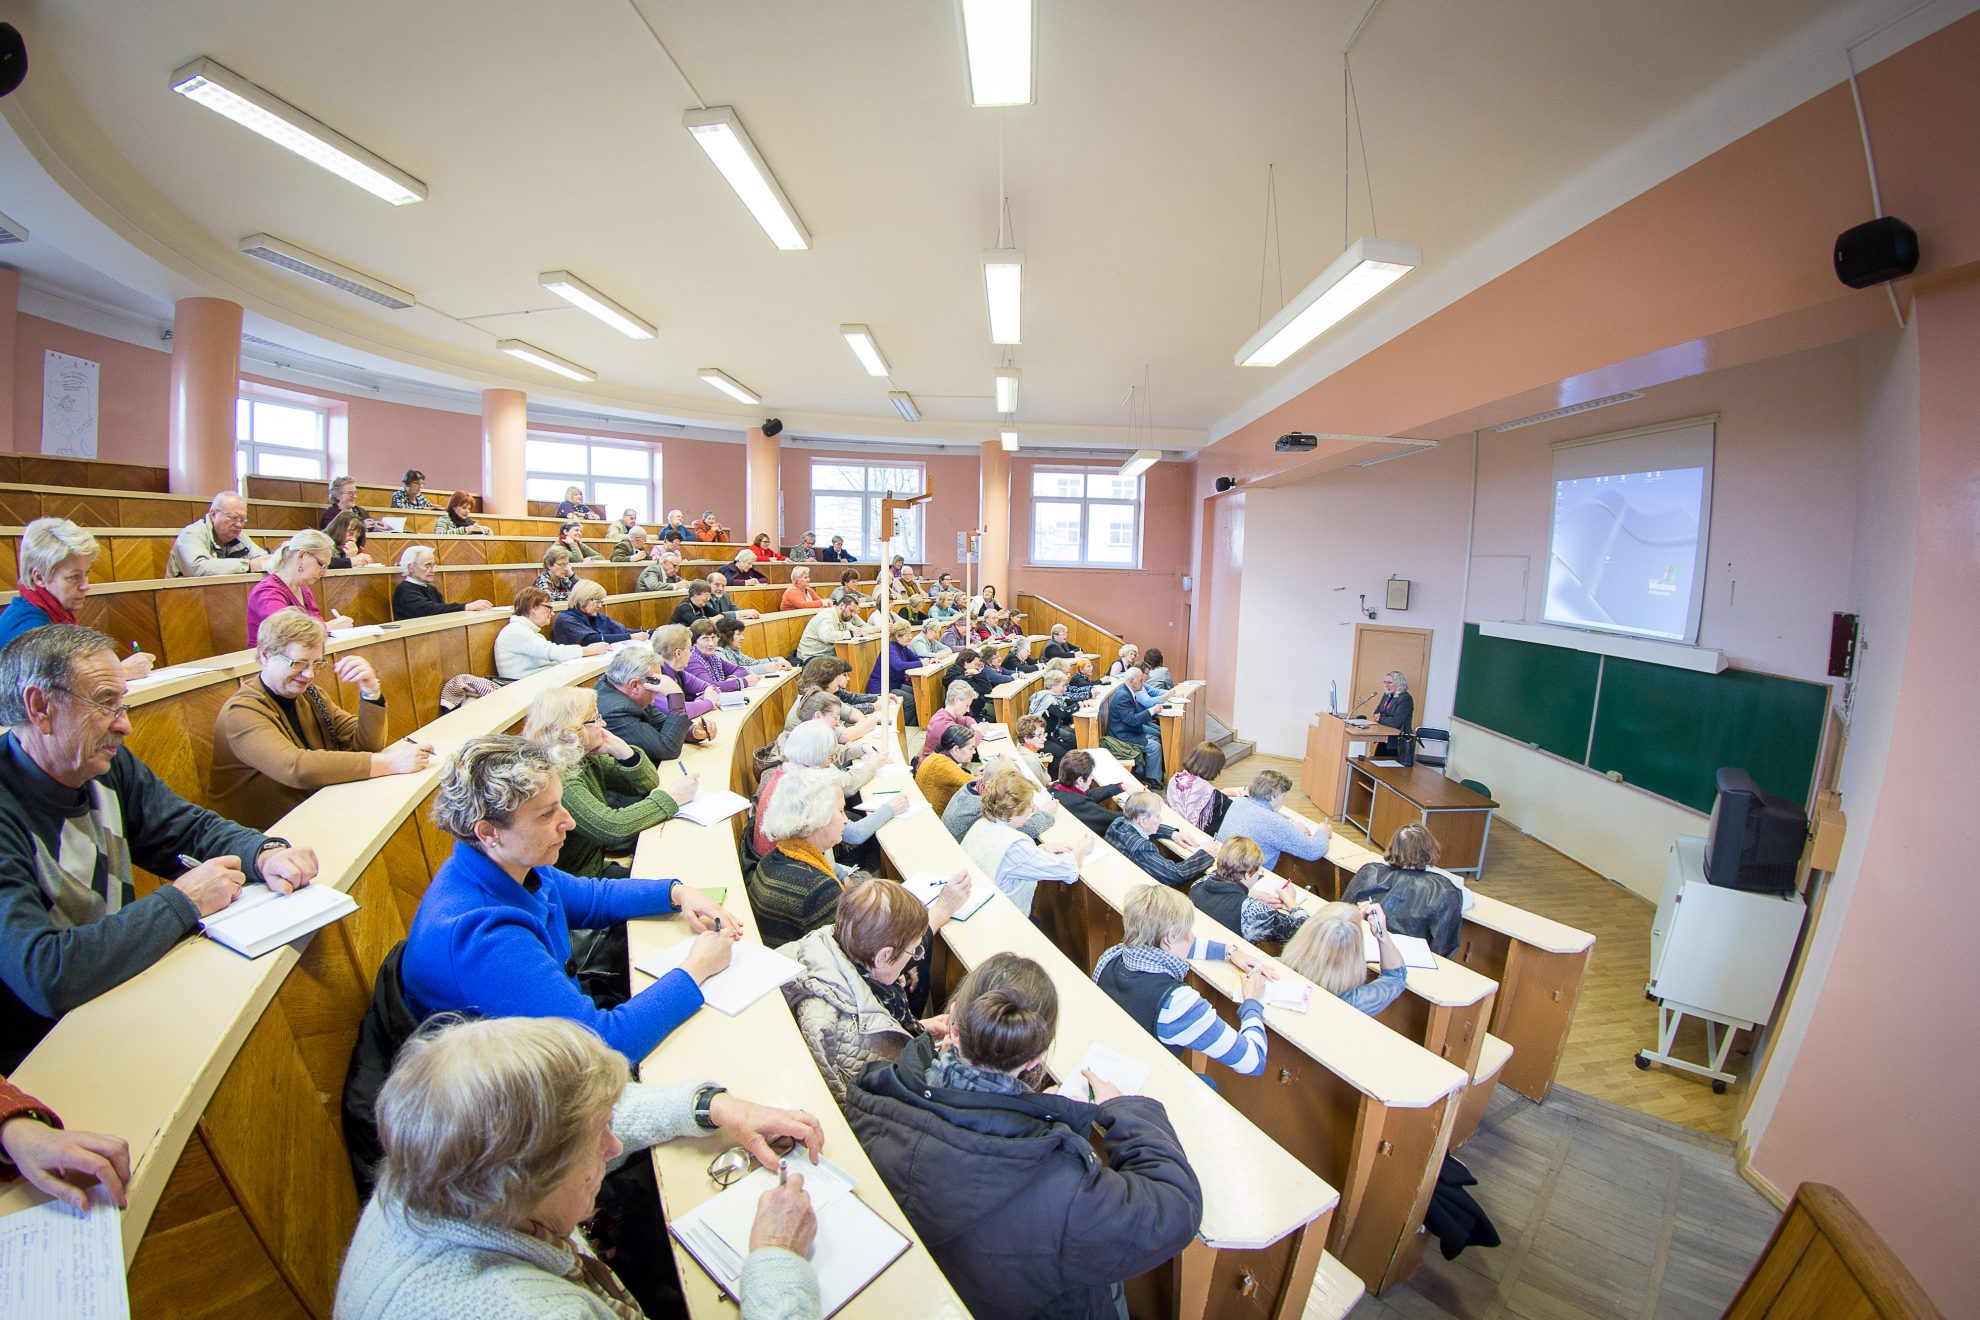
<point x="493" y="934"/>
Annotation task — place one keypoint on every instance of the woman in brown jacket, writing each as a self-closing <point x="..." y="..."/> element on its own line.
<point x="280" y="738"/>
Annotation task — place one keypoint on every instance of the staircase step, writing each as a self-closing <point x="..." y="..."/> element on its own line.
<point x="1236" y="750"/>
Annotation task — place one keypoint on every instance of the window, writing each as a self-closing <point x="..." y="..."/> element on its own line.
<point x="619" y="474"/>
<point x="280" y="440"/>
<point x="845" y="501"/>
<point x="1085" y="518"/>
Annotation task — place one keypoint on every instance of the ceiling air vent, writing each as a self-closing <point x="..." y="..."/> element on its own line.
<point x="11" y="231"/>
<point x="274" y="251"/>
<point x="1607" y="401"/>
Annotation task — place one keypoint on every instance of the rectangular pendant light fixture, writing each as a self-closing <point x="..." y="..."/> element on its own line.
<point x="904" y="405"/>
<point x="1003" y="289"/>
<point x="718" y="131"/>
<point x="730" y="386"/>
<point x="1007" y="383"/>
<point x="268" y="248"/>
<point x="530" y="353"/>
<point x="225" y="92"/>
<point x="1143" y="460"/>
<point x="582" y="296"/>
<point x="1357" y="275"/>
<point x="1008" y="437"/>
<point x="997" y="44"/>
<point x="860" y="340"/>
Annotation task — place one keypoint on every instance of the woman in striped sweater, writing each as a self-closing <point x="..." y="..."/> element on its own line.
<point x="1147" y="975"/>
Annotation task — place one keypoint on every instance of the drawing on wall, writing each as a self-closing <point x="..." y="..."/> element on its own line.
<point x="68" y="405"/>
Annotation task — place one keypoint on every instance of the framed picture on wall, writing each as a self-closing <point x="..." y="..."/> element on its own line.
<point x="1398" y="593"/>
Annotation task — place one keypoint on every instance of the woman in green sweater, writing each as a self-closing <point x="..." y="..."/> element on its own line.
<point x="597" y="763"/>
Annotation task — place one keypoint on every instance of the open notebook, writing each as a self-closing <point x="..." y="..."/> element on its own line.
<point x="261" y="920"/>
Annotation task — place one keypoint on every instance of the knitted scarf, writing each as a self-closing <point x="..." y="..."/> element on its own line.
<point x="592" y="1274"/>
<point x="1143" y="958"/>
<point x="950" y="1071"/>
<point x="800" y="850"/>
<point x="45" y="601"/>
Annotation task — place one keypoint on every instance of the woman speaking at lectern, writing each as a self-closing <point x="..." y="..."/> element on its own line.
<point x="1397" y="710"/>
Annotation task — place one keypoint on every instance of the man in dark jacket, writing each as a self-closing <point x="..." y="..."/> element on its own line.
<point x="1084" y="800"/>
<point x="698" y="605"/>
<point x="1008" y="1195"/>
<point x="1131" y="718"/>
<point x="632" y="700"/>
<point x="1136" y="831"/>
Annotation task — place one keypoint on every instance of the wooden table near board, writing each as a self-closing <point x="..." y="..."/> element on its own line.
<point x="1329" y="743"/>
<point x="1383" y="798"/>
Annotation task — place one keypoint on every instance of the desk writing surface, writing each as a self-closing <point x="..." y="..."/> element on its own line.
<point x="1427" y="788"/>
<point x="1514" y="922"/>
<point x="1254" y="1193"/>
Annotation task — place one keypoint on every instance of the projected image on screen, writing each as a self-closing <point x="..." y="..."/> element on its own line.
<point x="1625" y="551"/>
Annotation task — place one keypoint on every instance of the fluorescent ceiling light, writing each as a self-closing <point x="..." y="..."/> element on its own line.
<point x="12" y="231"/>
<point x="904" y="405"/>
<point x="997" y="40"/>
<point x="1007" y="383"/>
<point x="268" y="248"/>
<point x="581" y="295"/>
<point x="528" y="352"/>
<point x="1357" y="275"/>
<point x="719" y="132"/>
<point x="225" y="92"/>
<point x="730" y="386"/>
<point x="1009" y="439"/>
<point x="860" y="340"/>
<point x="1003" y="288"/>
<point x="1554" y="414"/>
<point x="1143" y="460"/>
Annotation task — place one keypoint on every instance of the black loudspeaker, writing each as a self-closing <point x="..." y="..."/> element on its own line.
<point x="1225" y="483"/>
<point x="1883" y="249"/>
<point x="773" y="426"/>
<point x="13" y="58"/>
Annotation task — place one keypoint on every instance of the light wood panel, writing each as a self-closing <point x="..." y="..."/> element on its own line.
<point x="1041" y="614"/>
<point x="1825" y="1262"/>
<point x="50" y="470"/>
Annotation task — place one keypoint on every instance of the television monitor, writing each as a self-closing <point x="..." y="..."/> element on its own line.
<point x="1754" y="841"/>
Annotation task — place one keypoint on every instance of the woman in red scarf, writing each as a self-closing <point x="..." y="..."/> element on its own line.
<point x="55" y="559"/>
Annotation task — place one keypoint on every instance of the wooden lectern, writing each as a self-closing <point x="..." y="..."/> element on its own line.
<point x="1328" y="746"/>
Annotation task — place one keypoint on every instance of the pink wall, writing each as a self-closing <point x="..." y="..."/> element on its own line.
<point x="1146" y="606"/>
<point x="132" y="386"/>
<point x="1880" y="1098"/>
<point x="952" y="478"/>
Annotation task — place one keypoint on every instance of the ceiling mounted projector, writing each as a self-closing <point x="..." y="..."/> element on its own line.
<point x="1294" y="442"/>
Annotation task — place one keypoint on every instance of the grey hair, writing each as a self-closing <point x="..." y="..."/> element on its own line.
<point x="555" y="553"/>
<point x="413" y="554"/>
<point x="669" y="639"/>
<point x="630" y="663"/>
<point x="48" y="543"/>
<point x="306" y="543"/>
<point x="489" y="778"/>
<point x="338" y="483"/>
<point x="1142" y="806"/>
<point x="43" y="658"/>
<point x="803" y="803"/>
<point x="717" y="578"/>
<point x="214" y="506"/>
<point x="816" y="700"/>
<point x="809" y="746"/>
<point x="1397" y="677"/>
<point x="958" y="691"/>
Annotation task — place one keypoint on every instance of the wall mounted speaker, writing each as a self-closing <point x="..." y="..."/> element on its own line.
<point x="1225" y="483"/>
<point x="1882" y="249"/>
<point x="13" y="58"/>
<point x="773" y="426"/>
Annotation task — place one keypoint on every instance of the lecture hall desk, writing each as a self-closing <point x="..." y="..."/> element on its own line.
<point x="1381" y="799"/>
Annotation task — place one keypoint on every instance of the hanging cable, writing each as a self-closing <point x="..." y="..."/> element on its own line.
<point x="1272" y="245"/>
<point x="1863" y="128"/>
<point x="1367" y="182"/>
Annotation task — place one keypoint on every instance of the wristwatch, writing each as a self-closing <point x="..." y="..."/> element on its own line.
<point x="271" y="843"/>
<point x="704" y="1101"/>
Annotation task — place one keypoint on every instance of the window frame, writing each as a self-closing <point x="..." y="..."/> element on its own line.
<point x="656" y="509"/>
<point x="248" y="451"/>
<point x="866" y="550"/>
<point x="1086" y="503"/>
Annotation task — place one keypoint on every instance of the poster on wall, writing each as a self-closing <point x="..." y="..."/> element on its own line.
<point x="68" y="405"/>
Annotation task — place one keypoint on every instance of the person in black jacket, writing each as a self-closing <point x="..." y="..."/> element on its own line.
<point x="635" y="701"/>
<point x="1397" y="710"/>
<point x="416" y="597"/>
<point x="700" y="604"/>
<point x="1057" y="647"/>
<point x="1415" y="899"/>
<point x="1080" y="796"/>
<point x="1135" y="834"/>
<point x="971" y="668"/>
<point x="1001" y="1181"/>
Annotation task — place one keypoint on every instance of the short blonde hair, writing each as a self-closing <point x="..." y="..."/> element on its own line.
<point x="480" y="1120"/>
<point x="306" y="543"/>
<point x="586" y="591"/>
<point x="1328" y="951"/>
<point x="670" y="639"/>
<point x="557" y="714"/>
<point x="1007" y="794"/>
<point x="48" y="543"/>
<point x="1153" y="913"/>
<point x="553" y="554"/>
<point x="288" y="628"/>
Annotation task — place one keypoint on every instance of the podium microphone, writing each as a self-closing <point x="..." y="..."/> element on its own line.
<point x="1364" y="701"/>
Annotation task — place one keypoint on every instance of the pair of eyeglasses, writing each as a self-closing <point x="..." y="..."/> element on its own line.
<point x="115" y="713"/>
<point x="300" y="666"/>
<point x="734" y="1164"/>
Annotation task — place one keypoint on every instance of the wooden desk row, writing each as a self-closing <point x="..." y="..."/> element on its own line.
<point x="1041" y="614"/>
<point x="100" y="473"/>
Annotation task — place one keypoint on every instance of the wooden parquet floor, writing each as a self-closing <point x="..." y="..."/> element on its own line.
<point x="1613" y="1020"/>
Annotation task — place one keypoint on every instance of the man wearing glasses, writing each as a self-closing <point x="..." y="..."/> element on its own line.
<point x="279" y="738"/>
<point x="216" y="544"/>
<point x="77" y="810"/>
<point x="643" y="706"/>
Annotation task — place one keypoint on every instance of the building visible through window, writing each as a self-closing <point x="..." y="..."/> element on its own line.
<point x="1085" y="518"/>
<point x="618" y="474"/>
<point x="845" y="501"/>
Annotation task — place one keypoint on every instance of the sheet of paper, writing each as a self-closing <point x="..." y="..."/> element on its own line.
<point x="168" y="673"/>
<point x="852" y="1248"/>
<point x="731" y="700"/>
<point x="1128" y="1074"/>
<point x="753" y="972"/>
<point x="359" y="630"/>
<point x="1415" y="951"/>
<point x="1286" y="994"/>
<point x="55" y="1262"/>
<point x="994" y="733"/>
<point x="1107" y="768"/>
<point x="710" y="805"/>
<point x="1387" y="764"/>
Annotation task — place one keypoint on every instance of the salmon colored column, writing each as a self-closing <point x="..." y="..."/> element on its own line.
<point x="504" y="427"/>
<point x="206" y="381"/>
<point x="10" y="303"/>
<point x="761" y="466"/>
<point x="994" y="517"/>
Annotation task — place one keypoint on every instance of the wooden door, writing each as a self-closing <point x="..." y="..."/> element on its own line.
<point x="1378" y="649"/>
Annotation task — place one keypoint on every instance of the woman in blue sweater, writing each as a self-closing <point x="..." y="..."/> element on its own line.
<point x="492" y="937"/>
<point x="583" y="619"/>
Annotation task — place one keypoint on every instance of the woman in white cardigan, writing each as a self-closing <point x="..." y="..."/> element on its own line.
<point x="497" y="1134"/>
<point x="521" y="647"/>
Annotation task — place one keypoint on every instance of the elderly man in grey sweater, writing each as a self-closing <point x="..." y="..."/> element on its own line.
<point x="216" y="545"/>
<point x="76" y="810"/>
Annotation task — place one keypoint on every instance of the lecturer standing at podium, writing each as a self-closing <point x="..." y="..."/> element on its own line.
<point x="1397" y="710"/>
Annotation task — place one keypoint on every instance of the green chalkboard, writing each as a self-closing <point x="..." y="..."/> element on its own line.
<point x="1528" y="692"/>
<point x="1670" y="730"/>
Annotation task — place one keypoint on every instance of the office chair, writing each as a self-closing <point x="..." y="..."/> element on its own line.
<point x="1442" y="737"/>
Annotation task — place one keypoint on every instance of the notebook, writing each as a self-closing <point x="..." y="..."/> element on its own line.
<point x="854" y="1246"/>
<point x="711" y="805"/>
<point x="928" y="886"/>
<point x="1109" y="1065"/>
<point x="752" y="973"/>
<point x="260" y="920"/>
<point x="1289" y="995"/>
<point x="731" y="700"/>
<point x="1416" y="952"/>
<point x="56" y="1262"/>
